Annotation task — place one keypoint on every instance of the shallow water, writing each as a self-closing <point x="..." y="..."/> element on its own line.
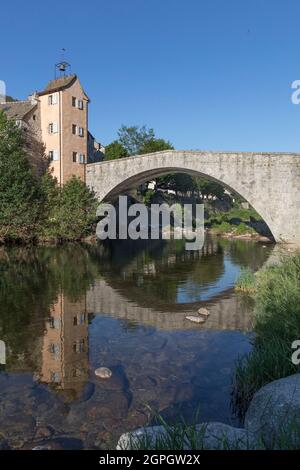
<point x="64" y="311"/>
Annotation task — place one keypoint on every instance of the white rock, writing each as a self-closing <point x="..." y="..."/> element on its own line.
<point x="103" y="373"/>
<point x="204" y="312"/>
<point x="195" y="319"/>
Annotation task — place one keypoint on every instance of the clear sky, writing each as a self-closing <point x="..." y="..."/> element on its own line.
<point x="205" y="74"/>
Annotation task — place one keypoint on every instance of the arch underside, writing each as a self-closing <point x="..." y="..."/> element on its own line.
<point x="137" y="179"/>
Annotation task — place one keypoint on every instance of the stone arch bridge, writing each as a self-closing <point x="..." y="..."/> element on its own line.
<point x="270" y="182"/>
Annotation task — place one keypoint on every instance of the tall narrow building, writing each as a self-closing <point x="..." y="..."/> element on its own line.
<point x="58" y="117"/>
<point x="64" y="126"/>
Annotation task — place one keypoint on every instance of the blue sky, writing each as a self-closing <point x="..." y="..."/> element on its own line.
<point x="205" y="74"/>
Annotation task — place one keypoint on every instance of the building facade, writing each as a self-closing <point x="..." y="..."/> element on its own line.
<point x="58" y="117"/>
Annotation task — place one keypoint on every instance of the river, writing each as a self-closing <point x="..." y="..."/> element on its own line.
<point x="67" y="310"/>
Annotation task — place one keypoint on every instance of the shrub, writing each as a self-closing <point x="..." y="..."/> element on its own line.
<point x="20" y="204"/>
<point x="276" y="326"/>
<point x="70" y="210"/>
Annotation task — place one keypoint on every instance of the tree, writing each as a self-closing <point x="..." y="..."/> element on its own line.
<point x="209" y="187"/>
<point x="72" y="210"/>
<point x="19" y="187"/>
<point x="180" y="182"/>
<point x="115" y="150"/>
<point x="155" y="145"/>
<point x="134" y="138"/>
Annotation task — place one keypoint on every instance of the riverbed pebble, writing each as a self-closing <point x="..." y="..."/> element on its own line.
<point x="103" y="373"/>
<point x="204" y="312"/>
<point x="195" y="319"/>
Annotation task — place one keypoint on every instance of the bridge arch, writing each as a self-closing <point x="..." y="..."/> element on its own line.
<point x="269" y="182"/>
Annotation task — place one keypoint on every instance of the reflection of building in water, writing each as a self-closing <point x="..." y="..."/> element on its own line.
<point x="65" y="346"/>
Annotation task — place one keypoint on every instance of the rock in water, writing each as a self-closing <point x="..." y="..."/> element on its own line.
<point x="204" y="312"/>
<point x="103" y="373"/>
<point x="195" y="319"/>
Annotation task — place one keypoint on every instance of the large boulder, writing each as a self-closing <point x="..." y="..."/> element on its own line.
<point x="203" y="436"/>
<point x="274" y="413"/>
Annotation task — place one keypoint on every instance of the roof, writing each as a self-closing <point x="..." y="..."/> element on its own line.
<point x="58" y="84"/>
<point x="17" y="109"/>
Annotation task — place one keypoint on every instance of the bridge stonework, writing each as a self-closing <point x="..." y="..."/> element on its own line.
<point x="270" y="182"/>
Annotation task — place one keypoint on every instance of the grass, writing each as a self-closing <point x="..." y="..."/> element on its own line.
<point x="235" y="221"/>
<point x="246" y="282"/>
<point x="227" y="227"/>
<point x="182" y="436"/>
<point x="276" y="325"/>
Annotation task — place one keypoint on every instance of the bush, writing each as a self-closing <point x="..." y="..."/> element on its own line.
<point x="276" y="326"/>
<point x="70" y="210"/>
<point x="20" y="204"/>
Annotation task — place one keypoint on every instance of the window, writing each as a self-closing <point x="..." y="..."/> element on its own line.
<point x="74" y="129"/>
<point x="77" y="103"/>
<point x="74" y="157"/>
<point x="54" y="323"/>
<point x="52" y="99"/>
<point x="81" y="158"/>
<point x="79" y="319"/>
<point x="53" y="155"/>
<point x="55" y="376"/>
<point x="81" y="131"/>
<point x="79" y="346"/>
<point x="34" y="117"/>
<point x="54" y="348"/>
<point x="53" y="128"/>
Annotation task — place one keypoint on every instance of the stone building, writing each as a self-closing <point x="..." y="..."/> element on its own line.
<point x="57" y="117"/>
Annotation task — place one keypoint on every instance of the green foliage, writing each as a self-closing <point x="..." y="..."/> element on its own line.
<point x="246" y="282"/>
<point x="178" y="182"/>
<point x="20" y="202"/>
<point x="184" y="436"/>
<point x="133" y="138"/>
<point x="155" y="145"/>
<point x="276" y="326"/>
<point x="115" y="150"/>
<point x="223" y="227"/>
<point x="148" y="196"/>
<point x="243" y="229"/>
<point x="31" y="279"/>
<point x="71" y="210"/>
<point x="208" y="187"/>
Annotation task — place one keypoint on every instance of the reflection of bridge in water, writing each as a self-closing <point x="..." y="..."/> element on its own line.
<point x="227" y="311"/>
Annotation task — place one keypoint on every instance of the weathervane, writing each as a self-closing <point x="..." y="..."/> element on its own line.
<point x="62" y="66"/>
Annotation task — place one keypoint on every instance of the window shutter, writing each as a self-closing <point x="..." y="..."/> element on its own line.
<point x="55" y="127"/>
<point x="54" y="98"/>
<point x="55" y="155"/>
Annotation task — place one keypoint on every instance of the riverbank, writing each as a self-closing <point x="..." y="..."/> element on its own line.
<point x="266" y="382"/>
<point x="276" y="293"/>
<point x="233" y="232"/>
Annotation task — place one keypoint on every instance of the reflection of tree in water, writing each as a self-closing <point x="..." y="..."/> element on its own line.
<point x="154" y="271"/>
<point x="246" y="253"/>
<point x="31" y="279"/>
